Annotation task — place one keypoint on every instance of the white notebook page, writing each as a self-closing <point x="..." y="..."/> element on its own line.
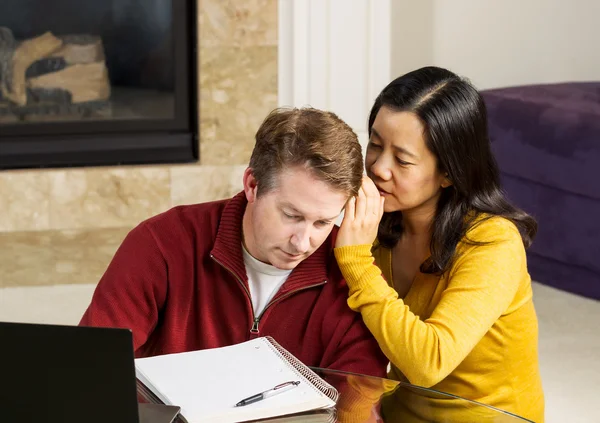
<point x="207" y="384"/>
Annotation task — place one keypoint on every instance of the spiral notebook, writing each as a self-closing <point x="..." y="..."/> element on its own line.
<point x="207" y="384"/>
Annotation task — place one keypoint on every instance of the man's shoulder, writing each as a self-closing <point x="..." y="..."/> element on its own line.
<point x="336" y="280"/>
<point x="193" y="219"/>
<point x="329" y="243"/>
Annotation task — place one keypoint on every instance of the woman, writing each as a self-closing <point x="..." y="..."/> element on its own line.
<point x="453" y="309"/>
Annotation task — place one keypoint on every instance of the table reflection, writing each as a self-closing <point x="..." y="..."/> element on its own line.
<point x="370" y="399"/>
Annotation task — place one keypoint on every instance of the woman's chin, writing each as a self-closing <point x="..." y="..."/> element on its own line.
<point x="390" y="208"/>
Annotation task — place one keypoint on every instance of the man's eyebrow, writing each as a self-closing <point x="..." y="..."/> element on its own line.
<point x="395" y="147"/>
<point x="295" y="210"/>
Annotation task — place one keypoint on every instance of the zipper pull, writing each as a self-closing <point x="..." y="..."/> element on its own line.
<point x="255" y="326"/>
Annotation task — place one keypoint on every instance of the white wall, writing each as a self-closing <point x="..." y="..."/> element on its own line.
<point x="338" y="54"/>
<point x="499" y="43"/>
<point x="334" y="55"/>
<point x="411" y="35"/>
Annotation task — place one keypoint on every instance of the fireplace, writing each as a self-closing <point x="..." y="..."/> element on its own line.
<point x="97" y="82"/>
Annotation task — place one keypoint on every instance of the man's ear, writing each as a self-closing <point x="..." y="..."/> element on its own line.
<point x="446" y="182"/>
<point x="250" y="185"/>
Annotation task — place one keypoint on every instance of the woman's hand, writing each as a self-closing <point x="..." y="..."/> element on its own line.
<point x="361" y="216"/>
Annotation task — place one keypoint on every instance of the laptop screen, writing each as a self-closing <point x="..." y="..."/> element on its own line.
<point x="66" y="374"/>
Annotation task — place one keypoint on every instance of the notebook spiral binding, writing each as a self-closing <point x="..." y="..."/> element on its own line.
<point x="296" y="365"/>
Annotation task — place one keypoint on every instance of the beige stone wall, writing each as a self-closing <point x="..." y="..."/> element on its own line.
<point x="62" y="226"/>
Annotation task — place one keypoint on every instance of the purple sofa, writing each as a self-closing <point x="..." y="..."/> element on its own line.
<point x="546" y="139"/>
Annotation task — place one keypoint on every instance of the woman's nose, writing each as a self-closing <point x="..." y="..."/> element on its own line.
<point x="380" y="167"/>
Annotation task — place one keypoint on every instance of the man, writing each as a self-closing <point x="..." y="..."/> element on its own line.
<point x="258" y="264"/>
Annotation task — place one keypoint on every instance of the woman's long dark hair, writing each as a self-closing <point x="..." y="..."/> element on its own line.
<point x="455" y="120"/>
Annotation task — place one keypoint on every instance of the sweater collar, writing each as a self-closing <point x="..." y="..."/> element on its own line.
<point x="227" y="250"/>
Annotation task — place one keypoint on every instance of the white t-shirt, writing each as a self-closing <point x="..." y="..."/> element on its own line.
<point x="264" y="281"/>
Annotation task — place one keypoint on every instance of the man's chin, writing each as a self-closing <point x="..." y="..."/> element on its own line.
<point x="287" y="262"/>
<point x="286" y="266"/>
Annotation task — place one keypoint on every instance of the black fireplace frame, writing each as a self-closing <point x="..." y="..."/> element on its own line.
<point x="119" y="142"/>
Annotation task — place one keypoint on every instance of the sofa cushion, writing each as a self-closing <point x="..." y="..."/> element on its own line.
<point x="548" y="133"/>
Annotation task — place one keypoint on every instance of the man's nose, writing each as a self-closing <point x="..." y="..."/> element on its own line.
<point x="301" y="239"/>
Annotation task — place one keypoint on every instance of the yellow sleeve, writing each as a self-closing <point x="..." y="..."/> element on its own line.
<point x="482" y="283"/>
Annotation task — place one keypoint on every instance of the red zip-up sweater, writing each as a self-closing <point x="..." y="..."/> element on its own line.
<point x="178" y="281"/>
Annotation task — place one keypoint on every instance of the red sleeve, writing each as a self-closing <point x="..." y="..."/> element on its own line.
<point x="132" y="291"/>
<point x="349" y="346"/>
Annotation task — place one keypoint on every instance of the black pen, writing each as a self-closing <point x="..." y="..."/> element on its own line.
<point x="266" y="394"/>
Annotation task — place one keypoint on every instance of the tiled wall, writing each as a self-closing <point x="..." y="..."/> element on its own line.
<point x="62" y="226"/>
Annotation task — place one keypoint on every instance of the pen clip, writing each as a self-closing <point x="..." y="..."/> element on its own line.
<point x="284" y="384"/>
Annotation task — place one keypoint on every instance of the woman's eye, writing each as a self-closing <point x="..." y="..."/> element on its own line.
<point x="373" y="146"/>
<point x="401" y="162"/>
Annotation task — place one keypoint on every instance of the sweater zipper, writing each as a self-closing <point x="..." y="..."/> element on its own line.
<point x="256" y="320"/>
<point x="254" y="329"/>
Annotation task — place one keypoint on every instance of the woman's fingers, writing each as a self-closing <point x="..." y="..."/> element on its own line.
<point x="361" y="204"/>
<point x="350" y="209"/>
<point x="370" y="188"/>
<point x="373" y="198"/>
<point x="361" y="216"/>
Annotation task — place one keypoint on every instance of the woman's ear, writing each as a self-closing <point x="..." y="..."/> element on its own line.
<point x="446" y="182"/>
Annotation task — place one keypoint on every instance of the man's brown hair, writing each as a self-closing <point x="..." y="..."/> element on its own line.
<point x="318" y="140"/>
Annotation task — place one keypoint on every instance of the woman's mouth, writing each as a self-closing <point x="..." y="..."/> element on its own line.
<point x="382" y="192"/>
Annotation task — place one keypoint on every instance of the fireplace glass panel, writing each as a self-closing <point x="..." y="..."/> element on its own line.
<point x="86" y="60"/>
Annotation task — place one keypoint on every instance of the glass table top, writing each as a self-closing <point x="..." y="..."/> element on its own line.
<point x="371" y="399"/>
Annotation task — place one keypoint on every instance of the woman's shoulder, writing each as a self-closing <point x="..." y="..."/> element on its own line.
<point x="487" y="228"/>
<point x="491" y="236"/>
<point x="493" y="246"/>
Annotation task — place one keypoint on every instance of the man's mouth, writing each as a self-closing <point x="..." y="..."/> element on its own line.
<point x="293" y="256"/>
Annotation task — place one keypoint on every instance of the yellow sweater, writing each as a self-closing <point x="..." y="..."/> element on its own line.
<point x="472" y="332"/>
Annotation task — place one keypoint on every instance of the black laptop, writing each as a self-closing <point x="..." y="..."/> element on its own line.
<point x="69" y="374"/>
